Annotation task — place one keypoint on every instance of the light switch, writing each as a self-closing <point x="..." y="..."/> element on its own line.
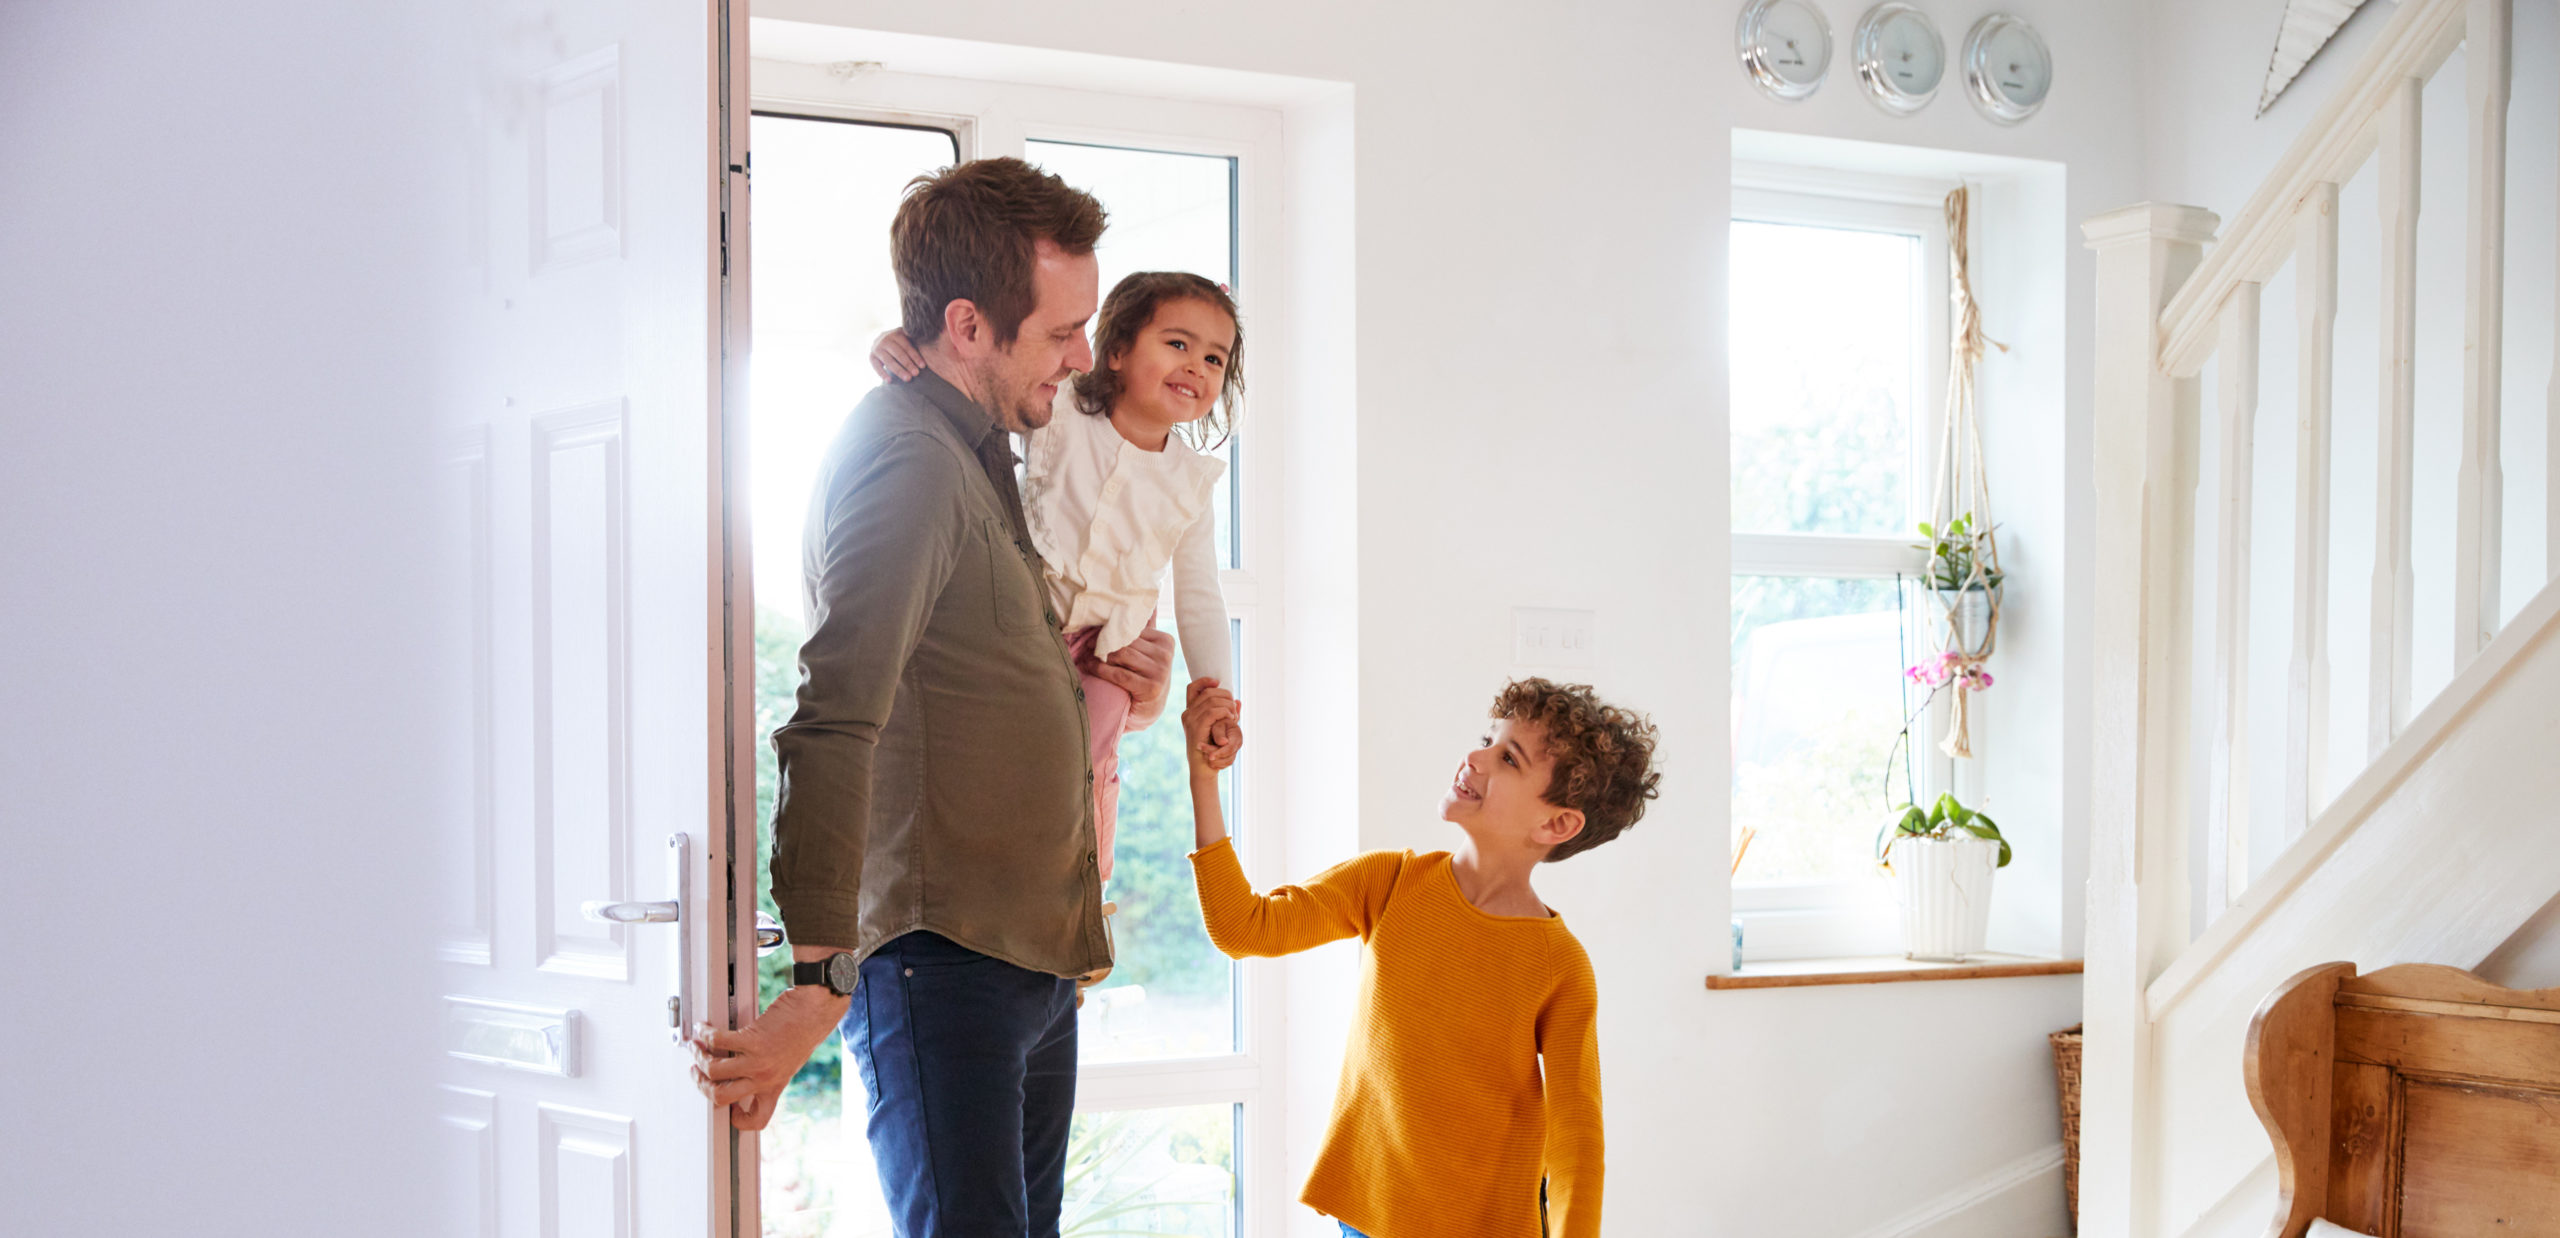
<point x="1557" y="638"/>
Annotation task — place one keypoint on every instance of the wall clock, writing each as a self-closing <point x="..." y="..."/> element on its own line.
<point x="1785" y="46"/>
<point x="1898" y="56"/>
<point x="2007" y="69"/>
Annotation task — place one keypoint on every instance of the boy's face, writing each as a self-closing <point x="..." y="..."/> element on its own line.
<point x="1499" y="796"/>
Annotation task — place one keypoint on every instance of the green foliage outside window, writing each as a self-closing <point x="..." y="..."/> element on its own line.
<point x="778" y="638"/>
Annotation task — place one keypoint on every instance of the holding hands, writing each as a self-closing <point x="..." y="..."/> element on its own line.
<point x="1212" y="729"/>
<point x="1212" y="735"/>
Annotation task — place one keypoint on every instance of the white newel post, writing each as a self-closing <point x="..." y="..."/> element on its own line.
<point x="2144" y="473"/>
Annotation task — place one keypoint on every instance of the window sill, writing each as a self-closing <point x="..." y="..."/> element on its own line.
<point x="1886" y="969"/>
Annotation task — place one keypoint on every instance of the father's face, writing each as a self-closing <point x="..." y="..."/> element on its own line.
<point x="1019" y="382"/>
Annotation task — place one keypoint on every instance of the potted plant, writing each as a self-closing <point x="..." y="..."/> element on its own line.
<point x="1944" y="856"/>
<point x="1964" y="573"/>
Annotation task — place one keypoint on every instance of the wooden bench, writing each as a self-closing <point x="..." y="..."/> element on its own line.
<point x="2416" y="1102"/>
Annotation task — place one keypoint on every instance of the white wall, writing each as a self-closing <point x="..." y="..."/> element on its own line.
<point x="214" y="789"/>
<point x="1541" y="199"/>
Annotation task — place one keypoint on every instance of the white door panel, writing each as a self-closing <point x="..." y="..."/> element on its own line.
<point x="586" y="478"/>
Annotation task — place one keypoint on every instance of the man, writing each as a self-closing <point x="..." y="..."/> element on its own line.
<point x="934" y="848"/>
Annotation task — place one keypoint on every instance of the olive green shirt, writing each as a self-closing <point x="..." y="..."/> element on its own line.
<point x="936" y="774"/>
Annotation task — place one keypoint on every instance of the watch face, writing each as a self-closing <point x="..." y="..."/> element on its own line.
<point x="2008" y="70"/>
<point x="1786" y="47"/>
<point x="842" y="972"/>
<point x="1899" y="57"/>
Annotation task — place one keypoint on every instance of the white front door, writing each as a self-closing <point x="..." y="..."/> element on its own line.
<point x="589" y="912"/>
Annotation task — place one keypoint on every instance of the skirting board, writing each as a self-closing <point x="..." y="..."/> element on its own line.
<point x="2042" y="1165"/>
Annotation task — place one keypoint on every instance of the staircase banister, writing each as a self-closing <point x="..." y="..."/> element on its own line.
<point x="2537" y="623"/>
<point x="2414" y="43"/>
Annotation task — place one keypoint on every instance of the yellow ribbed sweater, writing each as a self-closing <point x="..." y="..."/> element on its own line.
<point x="1443" y="1123"/>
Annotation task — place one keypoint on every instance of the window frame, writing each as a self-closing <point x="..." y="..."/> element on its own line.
<point x="993" y="118"/>
<point x="1795" y="920"/>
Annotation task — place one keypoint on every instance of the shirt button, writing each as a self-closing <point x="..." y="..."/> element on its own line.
<point x="1089" y="860"/>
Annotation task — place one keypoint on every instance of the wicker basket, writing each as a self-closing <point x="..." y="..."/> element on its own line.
<point x="2066" y="1079"/>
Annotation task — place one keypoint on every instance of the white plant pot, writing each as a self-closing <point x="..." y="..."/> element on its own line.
<point x="1946" y="895"/>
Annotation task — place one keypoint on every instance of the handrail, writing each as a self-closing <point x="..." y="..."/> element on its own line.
<point x="2414" y="44"/>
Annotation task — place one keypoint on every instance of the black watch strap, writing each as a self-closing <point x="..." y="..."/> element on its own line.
<point x="837" y="972"/>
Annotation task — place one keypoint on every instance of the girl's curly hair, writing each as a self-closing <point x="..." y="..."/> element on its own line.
<point x="1126" y="312"/>
<point x="1603" y="757"/>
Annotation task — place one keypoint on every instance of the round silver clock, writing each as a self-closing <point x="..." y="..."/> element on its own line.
<point x="2007" y="69"/>
<point x="1785" y="46"/>
<point x="1899" y="57"/>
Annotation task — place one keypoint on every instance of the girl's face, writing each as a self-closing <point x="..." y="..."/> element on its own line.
<point x="1174" y="370"/>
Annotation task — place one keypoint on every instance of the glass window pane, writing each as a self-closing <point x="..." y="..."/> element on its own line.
<point x="1169" y="212"/>
<point x="816" y="1178"/>
<point x="1228" y="501"/>
<point x="1817" y="700"/>
<point x="825" y="192"/>
<point x="1153" y="1171"/>
<point x="1825" y="348"/>
<point x="1170" y="993"/>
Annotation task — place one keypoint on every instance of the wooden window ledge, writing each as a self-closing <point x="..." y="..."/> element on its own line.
<point x="1886" y="969"/>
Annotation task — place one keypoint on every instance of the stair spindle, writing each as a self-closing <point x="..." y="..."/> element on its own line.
<point x="2315" y="284"/>
<point x="2397" y="176"/>
<point x="2227" y="814"/>
<point x="2480" y="486"/>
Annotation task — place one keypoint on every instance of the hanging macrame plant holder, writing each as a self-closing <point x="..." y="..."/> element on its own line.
<point x="1965" y="585"/>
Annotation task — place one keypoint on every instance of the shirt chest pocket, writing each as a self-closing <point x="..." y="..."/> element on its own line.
<point x="1011" y="585"/>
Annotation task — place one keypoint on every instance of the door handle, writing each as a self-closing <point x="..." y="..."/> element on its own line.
<point x="665" y="911"/>
<point x="768" y="934"/>
<point x="630" y="913"/>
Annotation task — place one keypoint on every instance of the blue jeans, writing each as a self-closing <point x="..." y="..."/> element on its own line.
<point x="970" y="1063"/>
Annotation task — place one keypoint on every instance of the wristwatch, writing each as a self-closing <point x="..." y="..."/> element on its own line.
<point x="838" y="972"/>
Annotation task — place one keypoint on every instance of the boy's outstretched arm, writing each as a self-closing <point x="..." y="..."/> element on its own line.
<point x="1342" y="901"/>
<point x="1569" y="1052"/>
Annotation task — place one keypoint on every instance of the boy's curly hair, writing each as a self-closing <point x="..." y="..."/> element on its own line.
<point x="1603" y="756"/>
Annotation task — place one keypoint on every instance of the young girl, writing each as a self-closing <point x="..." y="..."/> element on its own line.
<point x="1118" y="484"/>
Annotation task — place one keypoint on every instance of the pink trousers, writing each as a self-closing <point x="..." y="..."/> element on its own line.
<point x="1106" y="711"/>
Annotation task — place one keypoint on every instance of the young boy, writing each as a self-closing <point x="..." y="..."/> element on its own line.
<point x="1472" y="1073"/>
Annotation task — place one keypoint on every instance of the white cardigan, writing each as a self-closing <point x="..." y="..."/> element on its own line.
<point x="1107" y="516"/>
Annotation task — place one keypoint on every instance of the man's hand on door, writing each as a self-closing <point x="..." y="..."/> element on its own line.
<point x="748" y="1069"/>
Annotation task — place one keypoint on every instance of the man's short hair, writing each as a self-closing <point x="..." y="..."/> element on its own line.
<point x="966" y="233"/>
<point x="1603" y="757"/>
